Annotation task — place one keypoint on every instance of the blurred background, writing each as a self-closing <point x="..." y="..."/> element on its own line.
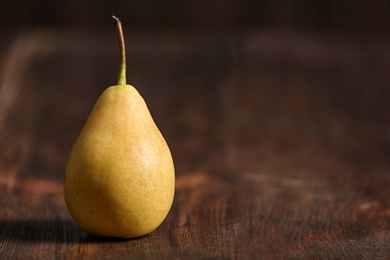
<point x="324" y="15"/>
<point x="281" y="77"/>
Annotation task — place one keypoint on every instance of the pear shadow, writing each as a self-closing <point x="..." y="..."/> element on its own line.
<point x="95" y="239"/>
<point x="41" y="231"/>
<point x="49" y="231"/>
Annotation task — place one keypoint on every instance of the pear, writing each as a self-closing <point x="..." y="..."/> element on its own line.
<point x="119" y="177"/>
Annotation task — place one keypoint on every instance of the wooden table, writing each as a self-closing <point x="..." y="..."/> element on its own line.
<point x="281" y="141"/>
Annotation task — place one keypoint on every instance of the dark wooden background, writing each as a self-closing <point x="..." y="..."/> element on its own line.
<point x="327" y="15"/>
<point x="278" y="125"/>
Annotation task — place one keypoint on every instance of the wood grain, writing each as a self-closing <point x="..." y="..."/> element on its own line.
<point x="281" y="142"/>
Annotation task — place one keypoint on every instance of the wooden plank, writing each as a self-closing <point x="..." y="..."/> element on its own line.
<point x="281" y="142"/>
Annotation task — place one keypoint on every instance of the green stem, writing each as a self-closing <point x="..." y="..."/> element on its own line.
<point x="122" y="68"/>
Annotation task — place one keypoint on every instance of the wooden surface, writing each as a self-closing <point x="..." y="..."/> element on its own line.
<point x="281" y="142"/>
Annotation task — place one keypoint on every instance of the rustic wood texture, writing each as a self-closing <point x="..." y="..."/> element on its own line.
<point x="281" y="142"/>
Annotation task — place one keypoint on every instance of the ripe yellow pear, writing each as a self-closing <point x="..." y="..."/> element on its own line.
<point x="119" y="179"/>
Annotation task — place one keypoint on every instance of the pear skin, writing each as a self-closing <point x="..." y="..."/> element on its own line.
<point x="120" y="177"/>
<point x="120" y="174"/>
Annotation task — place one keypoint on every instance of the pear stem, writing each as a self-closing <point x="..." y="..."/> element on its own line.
<point x="122" y="68"/>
